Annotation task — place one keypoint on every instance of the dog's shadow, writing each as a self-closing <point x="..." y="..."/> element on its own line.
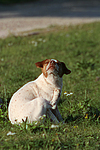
<point x="92" y="114"/>
<point x="4" y="102"/>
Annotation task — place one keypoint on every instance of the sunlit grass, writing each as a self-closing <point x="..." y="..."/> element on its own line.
<point x="79" y="48"/>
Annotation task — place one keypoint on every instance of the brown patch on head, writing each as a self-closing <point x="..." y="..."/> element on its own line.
<point x="43" y="65"/>
<point x="63" y="69"/>
<point x="52" y="63"/>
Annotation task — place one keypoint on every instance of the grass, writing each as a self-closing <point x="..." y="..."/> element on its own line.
<point x="79" y="48"/>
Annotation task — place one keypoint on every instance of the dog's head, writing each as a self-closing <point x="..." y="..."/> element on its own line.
<point x="51" y="66"/>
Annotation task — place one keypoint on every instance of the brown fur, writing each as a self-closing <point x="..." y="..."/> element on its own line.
<point x="40" y="96"/>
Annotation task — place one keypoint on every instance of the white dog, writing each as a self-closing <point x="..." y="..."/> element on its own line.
<point x="39" y="97"/>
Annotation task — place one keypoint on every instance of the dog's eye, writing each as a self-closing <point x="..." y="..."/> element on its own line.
<point x="58" y="63"/>
<point x="46" y="62"/>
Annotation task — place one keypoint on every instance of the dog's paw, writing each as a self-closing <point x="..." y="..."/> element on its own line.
<point x="54" y="107"/>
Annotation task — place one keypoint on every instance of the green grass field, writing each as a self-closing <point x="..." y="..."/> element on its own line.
<point x="79" y="48"/>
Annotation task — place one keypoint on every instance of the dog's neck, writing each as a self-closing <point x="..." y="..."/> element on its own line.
<point x="53" y="80"/>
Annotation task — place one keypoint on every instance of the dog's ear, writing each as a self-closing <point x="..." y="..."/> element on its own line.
<point x="65" y="69"/>
<point x="40" y="64"/>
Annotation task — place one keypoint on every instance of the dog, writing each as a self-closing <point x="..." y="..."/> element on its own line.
<point x="39" y="97"/>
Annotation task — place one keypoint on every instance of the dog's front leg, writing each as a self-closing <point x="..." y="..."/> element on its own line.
<point x="57" y="114"/>
<point x="52" y="116"/>
<point x="56" y="96"/>
<point x="55" y="111"/>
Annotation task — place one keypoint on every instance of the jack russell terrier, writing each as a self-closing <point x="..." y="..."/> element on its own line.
<point x="39" y="97"/>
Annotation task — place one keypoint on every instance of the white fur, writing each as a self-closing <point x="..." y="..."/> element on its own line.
<point x="35" y="99"/>
<point x="54" y="60"/>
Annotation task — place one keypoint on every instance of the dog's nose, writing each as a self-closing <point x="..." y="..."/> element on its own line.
<point x="52" y="62"/>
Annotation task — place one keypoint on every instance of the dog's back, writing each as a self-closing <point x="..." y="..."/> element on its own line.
<point x="35" y="98"/>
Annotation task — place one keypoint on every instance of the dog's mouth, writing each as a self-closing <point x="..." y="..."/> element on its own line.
<point x="52" y="67"/>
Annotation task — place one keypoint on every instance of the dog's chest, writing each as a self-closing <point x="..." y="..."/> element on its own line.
<point x="46" y="93"/>
<point x="45" y="88"/>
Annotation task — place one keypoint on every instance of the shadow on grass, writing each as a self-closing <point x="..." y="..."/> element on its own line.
<point x="92" y="114"/>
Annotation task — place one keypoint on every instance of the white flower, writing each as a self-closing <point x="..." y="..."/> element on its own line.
<point x="40" y="39"/>
<point x="26" y="127"/>
<point x="36" y="123"/>
<point x="35" y="44"/>
<point x="43" y="135"/>
<point x="10" y="133"/>
<point x="10" y="44"/>
<point x="44" y="41"/>
<point x="68" y="94"/>
<point x="54" y="126"/>
<point x="2" y="59"/>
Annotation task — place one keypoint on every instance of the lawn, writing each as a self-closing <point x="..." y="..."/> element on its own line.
<point x="79" y="48"/>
